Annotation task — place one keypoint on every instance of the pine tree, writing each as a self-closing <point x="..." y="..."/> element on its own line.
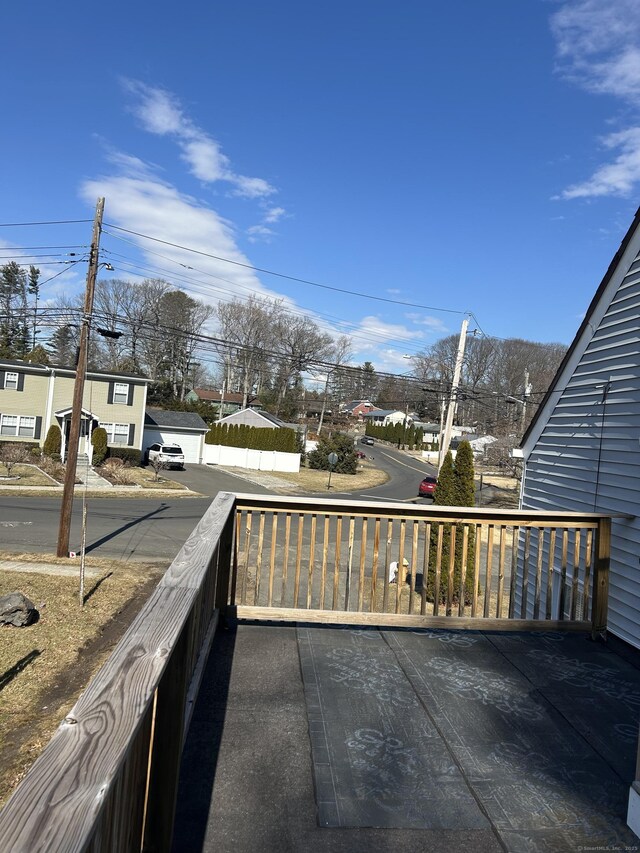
<point x="464" y="489"/>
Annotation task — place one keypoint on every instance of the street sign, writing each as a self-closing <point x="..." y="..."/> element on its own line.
<point x="333" y="459"/>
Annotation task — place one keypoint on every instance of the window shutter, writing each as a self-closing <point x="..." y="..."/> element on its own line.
<point x="130" y="396"/>
<point x="132" y="434"/>
<point x="21" y="382"/>
<point x="2" y="372"/>
<point x="38" y="430"/>
<point x="110" y="392"/>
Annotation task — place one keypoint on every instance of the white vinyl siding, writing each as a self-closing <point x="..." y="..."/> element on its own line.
<point x="587" y="457"/>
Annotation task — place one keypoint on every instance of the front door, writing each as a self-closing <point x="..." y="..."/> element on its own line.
<point x="83" y="440"/>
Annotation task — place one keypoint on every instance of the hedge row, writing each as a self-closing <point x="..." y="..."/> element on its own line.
<point x="397" y="434"/>
<point x="282" y="439"/>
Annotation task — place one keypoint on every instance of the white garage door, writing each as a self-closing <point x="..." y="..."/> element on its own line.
<point x="189" y="442"/>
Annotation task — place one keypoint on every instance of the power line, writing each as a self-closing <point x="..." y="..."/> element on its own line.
<point x="51" y="222"/>
<point x="287" y="277"/>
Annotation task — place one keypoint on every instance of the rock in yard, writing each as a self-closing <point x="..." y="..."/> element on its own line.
<point x="17" y="610"/>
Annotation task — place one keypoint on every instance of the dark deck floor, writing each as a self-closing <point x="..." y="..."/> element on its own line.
<point x="337" y="739"/>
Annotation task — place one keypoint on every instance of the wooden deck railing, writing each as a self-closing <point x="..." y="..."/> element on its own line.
<point x="328" y="560"/>
<point x="107" y="780"/>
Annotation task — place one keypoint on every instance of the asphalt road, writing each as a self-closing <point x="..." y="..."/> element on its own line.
<point x="123" y="528"/>
<point x="156" y="528"/>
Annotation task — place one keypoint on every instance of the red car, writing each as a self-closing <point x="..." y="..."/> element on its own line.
<point x="427" y="487"/>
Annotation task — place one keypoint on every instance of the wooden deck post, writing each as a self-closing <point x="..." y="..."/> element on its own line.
<point x="226" y="560"/>
<point x="601" y="579"/>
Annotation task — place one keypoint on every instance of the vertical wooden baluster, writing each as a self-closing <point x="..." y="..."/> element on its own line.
<point x="525" y="574"/>
<point x="476" y="571"/>
<point x="537" y="592"/>
<point x="487" y="586"/>
<point x="259" y="557"/>
<point x="425" y="568"/>
<point x="463" y="573"/>
<point x="436" y="585"/>
<point x="451" y="568"/>
<point x="312" y="554"/>
<point x="552" y="551"/>
<point x="285" y="558"/>
<point x="296" y="583"/>
<point x="325" y="557"/>
<point x="237" y="539"/>
<point x="576" y="574"/>
<point x="347" y="585"/>
<point x="374" y="568"/>
<point x="387" y="561"/>
<point x="414" y="563"/>
<point x="272" y="557"/>
<point x="515" y="539"/>
<point x="588" y="556"/>
<point x="336" y="571"/>
<point x="563" y="574"/>
<point x="401" y="577"/>
<point x="247" y="550"/>
<point x="501" y="558"/>
<point x="363" y="557"/>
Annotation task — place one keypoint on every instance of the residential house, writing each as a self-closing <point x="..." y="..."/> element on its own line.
<point x="184" y="428"/>
<point x="229" y="401"/>
<point x="384" y="417"/>
<point x="258" y="418"/>
<point x="358" y="408"/>
<point x="581" y="451"/>
<point x="33" y="397"/>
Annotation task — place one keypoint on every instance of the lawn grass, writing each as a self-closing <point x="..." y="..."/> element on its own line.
<point x="310" y="480"/>
<point x="25" y="475"/>
<point x="45" y="666"/>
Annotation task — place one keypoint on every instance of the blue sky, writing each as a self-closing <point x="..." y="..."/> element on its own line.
<point x="479" y="157"/>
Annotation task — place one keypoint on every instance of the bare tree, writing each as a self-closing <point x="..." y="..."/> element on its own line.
<point x="298" y="342"/>
<point x="246" y="328"/>
<point x="13" y="454"/>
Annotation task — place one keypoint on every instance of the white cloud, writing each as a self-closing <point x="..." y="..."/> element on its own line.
<point x="138" y="200"/>
<point x="394" y="291"/>
<point x="274" y="214"/>
<point x="434" y="324"/>
<point x="259" y="232"/>
<point x="159" y="112"/>
<point x="618" y="177"/>
<point x="598" y="46"/>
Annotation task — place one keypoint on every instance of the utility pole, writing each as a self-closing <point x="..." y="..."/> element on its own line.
<point x="446" y="437"/>
<point x="527" y="392"/>
<point x="78" y="389"/>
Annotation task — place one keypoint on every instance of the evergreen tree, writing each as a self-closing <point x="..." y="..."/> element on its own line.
<point x="62" y="348"/>
<point x="53" y="442"/>
<point x="339" y="443"/>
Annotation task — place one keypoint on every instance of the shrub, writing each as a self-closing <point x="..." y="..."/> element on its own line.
<point x="339" y="443"/>
<point x="53" y="442"/>
<point x="99" y="444"/>
<point x="116" y="471"/>
<point x="128" y="454"/>
<point x="53" y="467"/>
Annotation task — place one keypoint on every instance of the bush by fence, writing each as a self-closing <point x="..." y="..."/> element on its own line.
<point x="398" y="434"/>
<point x="282" y="439"/>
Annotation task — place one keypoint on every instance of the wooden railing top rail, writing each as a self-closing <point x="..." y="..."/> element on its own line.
<point x="389" y="509"/>
<point x="58" y="804"/>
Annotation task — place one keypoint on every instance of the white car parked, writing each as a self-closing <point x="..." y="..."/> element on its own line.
<point x="170" y="455"/>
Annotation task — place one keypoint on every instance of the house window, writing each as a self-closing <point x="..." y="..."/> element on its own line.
<point x="120" y="392"/>
<point x="116" y="433"/>
<point x="27" y="427"/>
<point x="22" y="425"/>
<point x="11" y="381"/>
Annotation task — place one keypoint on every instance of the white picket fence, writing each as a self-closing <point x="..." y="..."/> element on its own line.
<point x="256" y="460"/>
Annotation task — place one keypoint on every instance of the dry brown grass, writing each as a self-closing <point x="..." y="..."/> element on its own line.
<point x="309" y="480"/>
<point x="26" y="475"/>
<point x="44" y="667"/>
<point x="145" y="477"/>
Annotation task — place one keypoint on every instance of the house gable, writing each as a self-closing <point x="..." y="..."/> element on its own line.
<point x="582" y="452"/>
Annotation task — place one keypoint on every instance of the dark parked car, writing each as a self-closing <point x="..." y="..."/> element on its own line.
<point x="366" y="439"/>
<point x="427" y="487"/>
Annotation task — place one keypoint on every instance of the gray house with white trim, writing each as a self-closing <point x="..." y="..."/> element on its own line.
<point x="582" y="450"/>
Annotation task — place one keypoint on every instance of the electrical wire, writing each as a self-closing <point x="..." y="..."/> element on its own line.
<point x="51" y="222"/>
<point x="285" y="276"/>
